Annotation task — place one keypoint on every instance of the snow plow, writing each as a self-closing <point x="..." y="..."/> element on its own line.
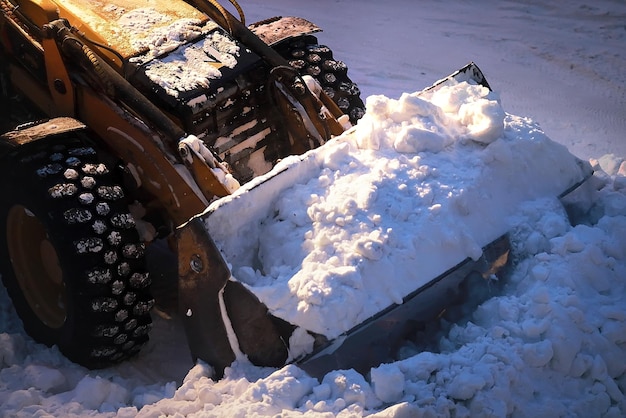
<point x="299" y="236"/>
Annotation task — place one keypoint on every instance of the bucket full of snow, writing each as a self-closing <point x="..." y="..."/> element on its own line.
<point x="330" y="239"/>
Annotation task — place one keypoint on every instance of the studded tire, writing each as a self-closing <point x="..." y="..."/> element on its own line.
<point x="309" y="58"/>
<point x="77" y="275"/>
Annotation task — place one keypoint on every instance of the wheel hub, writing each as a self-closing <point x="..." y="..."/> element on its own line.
<point x="36" y="266"/>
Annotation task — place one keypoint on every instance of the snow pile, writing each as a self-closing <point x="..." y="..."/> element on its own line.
<point x="421" y="184"/>
<point x="552" y="344"/>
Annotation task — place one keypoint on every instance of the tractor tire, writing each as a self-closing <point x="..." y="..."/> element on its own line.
<point x="77" y="274"/>
<point x="309" y="58"/>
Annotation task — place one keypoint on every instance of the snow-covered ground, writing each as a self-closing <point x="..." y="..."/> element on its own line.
<point x="553" y="344"/>
<point x="560" y="63"/>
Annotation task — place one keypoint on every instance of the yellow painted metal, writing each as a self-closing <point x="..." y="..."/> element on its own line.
<point x="203" y="174"/>
<point x="39" y="12"/>
<point x="159" y="173"/>
<point x="101" y="21"/>
<point x="59" y="84"/>
<point x="36" y="266"/>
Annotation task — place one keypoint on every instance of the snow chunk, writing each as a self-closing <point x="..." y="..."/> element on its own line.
<point x="284" y="388"/>
<point x="44" y="378"/>
<point x="465" y="385"/>
<point x="95" y="391"/>
<point x="388" y="382"/>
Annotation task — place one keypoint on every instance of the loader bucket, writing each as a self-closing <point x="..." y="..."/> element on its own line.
<point x="326" y="306"/>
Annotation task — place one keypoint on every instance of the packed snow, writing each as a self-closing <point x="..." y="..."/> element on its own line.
<point x="552" y="344"/>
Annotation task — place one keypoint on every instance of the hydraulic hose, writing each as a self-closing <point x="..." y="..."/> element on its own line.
<point x="100" y="72"/>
